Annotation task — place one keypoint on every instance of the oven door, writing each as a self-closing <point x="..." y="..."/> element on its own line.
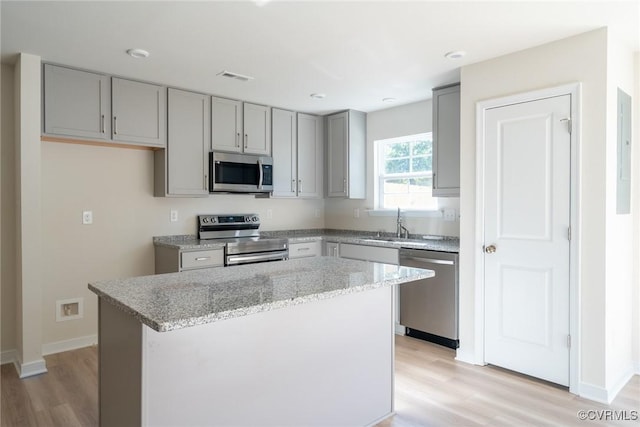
<point x="240" y="173"/>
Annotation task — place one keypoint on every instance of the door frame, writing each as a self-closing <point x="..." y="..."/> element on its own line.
<point x="575" y="90"/>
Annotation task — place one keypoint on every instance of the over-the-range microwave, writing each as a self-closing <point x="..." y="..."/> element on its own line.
<point x="240" y="173"/>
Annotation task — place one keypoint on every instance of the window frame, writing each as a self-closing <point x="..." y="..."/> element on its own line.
<point x="380" y="176"/>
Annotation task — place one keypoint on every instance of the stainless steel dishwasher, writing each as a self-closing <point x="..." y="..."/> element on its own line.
<point x="429" y="307"/>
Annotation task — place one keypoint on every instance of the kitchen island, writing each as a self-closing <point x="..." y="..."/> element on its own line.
<point x="294" y="343"/>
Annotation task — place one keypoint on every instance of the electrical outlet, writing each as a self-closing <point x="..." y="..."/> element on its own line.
<point x="87" y="217"/>
<point x="269" y="213"/>
<point x="356" y="213"/>
<point x="173" y="217"/>
<point x="317" y="213"/>
<point x="449" y="214"/>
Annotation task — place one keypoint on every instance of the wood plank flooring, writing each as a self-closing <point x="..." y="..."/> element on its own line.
<point x="432" y="389"/>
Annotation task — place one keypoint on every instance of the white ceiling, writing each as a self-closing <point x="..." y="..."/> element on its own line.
<point x="356" y="52"/>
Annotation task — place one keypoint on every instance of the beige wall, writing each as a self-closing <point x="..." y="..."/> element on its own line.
<point x="8" y="218"/>
<point x="117" y="185"/>
<point x="403" y="120"/>
<point x="576" y="59"/>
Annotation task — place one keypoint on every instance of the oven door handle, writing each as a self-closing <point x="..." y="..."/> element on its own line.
<point x="260" y="174"/>
<point x="237" y="259"/>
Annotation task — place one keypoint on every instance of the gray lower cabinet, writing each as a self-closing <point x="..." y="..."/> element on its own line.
<point x="77" y="104"/>
<point x="331" y="249"/>
<point x="172" y="260"/>
<point x="446" y="141"/>
<point x="139" y="111"/>
<point x="369" y="253"/>
<point x="182" y="168"/>
<point x="305" y="250"/>
<point x="346" y="155"/>
<point x="92" y="106"/>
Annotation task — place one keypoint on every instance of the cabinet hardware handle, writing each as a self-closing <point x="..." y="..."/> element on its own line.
<point x="293" y="185"/>
<point x="203" y="258"/>
<point x="344" y="185"/>
<point x="206" y="184"/>
<point x="238" y="139"/>
<point x="299" y="185"/>
<point x="303" y="249"/>
<point x="335" y="251"/>
<point x="102" y="123"/>
<point x="115" y="126"/>
<point x="429" y="260"/>
<point x="246" y="140"/>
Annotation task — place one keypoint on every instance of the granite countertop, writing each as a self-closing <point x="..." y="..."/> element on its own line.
<point x="172" y="301"/>
<point x="433" y="243"/>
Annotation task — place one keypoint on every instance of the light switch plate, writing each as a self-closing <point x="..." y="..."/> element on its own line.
<point x="449" y="214"/>
<point x="173" y="216"/>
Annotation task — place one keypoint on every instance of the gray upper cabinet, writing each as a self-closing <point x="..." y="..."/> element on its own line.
<point x="346" y="144"/>
<point x="310" y="155"/>
<point x="226" y="125"/>
<point x="446" y="141"/>
<point x="86" y="105"/>
<point x="77" y="104"/>
<point x="185" y="159"/>
<point x="297" y="154"/>
<point x="240" y="127"/>
<point x="257" y="129"/>
<point x="139" y="111"/>
<point x="285" y="147"/>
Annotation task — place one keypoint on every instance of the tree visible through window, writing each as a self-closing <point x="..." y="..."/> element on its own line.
<point x="404" y="173"/>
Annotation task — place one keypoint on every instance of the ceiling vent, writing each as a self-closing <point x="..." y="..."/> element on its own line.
<point x="236" y="76"/>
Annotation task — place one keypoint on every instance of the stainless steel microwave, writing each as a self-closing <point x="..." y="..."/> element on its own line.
<point x="240" y="173"/>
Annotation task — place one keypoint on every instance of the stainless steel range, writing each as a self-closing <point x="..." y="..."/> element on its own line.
<point x="243" y="244"/>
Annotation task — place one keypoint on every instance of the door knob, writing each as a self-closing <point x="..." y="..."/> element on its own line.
<point x="490" y="249"/>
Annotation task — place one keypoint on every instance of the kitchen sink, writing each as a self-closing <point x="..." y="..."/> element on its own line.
<point x="382" y="239"/>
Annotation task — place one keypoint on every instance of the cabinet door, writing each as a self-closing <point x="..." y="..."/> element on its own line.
<point x="139" y="112"/>
<point x="337" y="168"/>
<point x="284" y="153"/>
<point x="76" y="103"/>
<point x="331" y="249"/>
<point x="188" y="143"/>
<point x="310" y="165"/>
<point x="446" y="141"/>
<point x="226" y="125"/>
<point x="257" y="129"/>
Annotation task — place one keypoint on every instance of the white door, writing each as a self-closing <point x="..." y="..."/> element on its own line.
<point x="527" y="219"/>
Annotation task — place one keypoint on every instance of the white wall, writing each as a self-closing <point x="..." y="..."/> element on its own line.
<point x="8" y="219"/>
<point x="403" y="120"/>
<point x="577" y="59"/>
<point x="635" y="191"/>
<point x="619" y="231"/>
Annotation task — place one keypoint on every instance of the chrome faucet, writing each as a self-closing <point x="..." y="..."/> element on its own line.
<point x="401" y="230"/>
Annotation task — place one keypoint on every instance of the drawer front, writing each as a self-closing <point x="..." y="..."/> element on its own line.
<point x="304" y="250"/>
<point x="201" y="259"/>
<point x="369" y="253"/>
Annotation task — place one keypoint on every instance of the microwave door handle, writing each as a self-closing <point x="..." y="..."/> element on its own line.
<point x="260" y="174"/>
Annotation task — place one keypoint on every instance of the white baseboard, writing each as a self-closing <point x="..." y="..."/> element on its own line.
<point x="8" y="356"/>
<point x="606" y="395"/>
<point x="66" y="345"/>
<point x="466" y="357"/>
<point x="399" y="329"/>
<point x="30" y="369"/>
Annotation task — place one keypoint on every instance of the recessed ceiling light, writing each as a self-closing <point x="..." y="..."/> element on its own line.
<point x="456" y="54"/>
<point x="389" y="100"/>
<point x="138" y="53"/>
<point x="318" y="95"/>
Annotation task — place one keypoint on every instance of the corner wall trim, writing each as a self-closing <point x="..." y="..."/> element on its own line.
<point x="66" y="345"/>
<point x="8" y="356"/>
<point x="30" y="369"/>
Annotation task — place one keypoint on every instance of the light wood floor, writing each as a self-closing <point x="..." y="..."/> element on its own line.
<point x="432" y="389"/>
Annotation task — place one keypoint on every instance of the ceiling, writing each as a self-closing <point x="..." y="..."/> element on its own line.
<point x="357" y="53"/>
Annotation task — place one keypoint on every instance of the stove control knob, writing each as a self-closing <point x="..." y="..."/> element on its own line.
<point x="254" y="218"/>
<point x="205" y="220"/>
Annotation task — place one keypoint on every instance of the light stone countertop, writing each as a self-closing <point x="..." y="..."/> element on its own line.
<point x="441" y="243"/>
<point x="172" y="301"/>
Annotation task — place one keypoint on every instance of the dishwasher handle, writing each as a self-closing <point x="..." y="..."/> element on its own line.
<point x="428" y="260"/>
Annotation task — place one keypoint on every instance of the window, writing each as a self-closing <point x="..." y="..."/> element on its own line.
<point x="404" y="173"/>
